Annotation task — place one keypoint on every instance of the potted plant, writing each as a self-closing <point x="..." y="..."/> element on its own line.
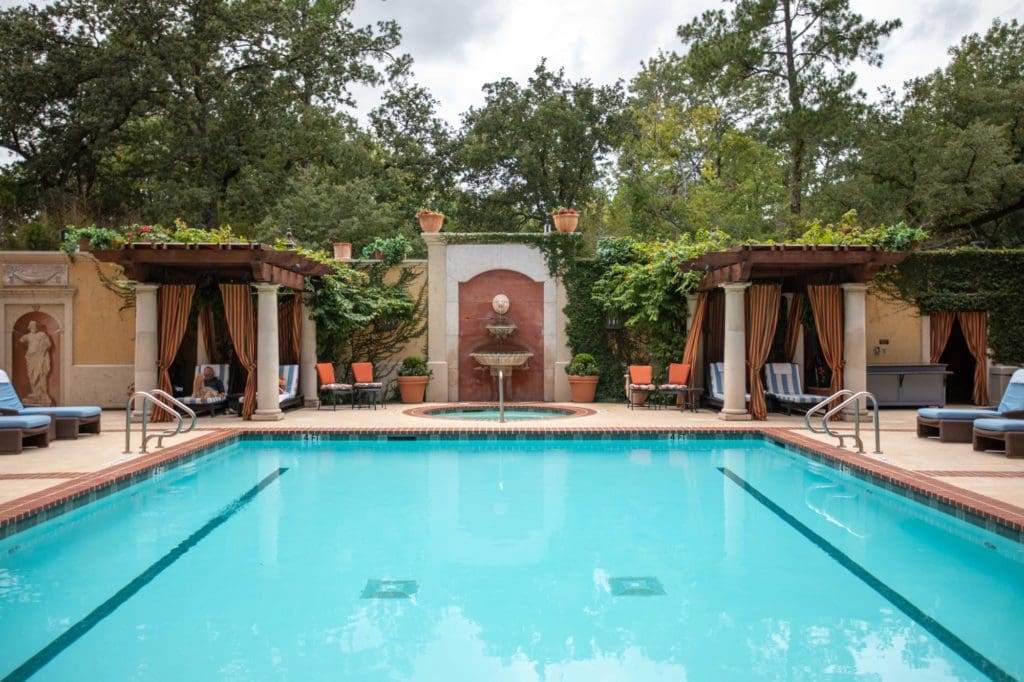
<point x="413" y="376"/>
<point x="91" y="237"/>
<point x="565" y="219"/>
<point x="430" y="221"/>
<point x="583" y="377"/>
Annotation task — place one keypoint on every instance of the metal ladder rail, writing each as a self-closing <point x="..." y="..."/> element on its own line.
<point x="148" y="398"/>
<point x="855" y="399"/>
<point x="820" y="406"/>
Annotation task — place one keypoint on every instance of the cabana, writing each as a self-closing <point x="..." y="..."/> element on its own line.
<point x="166" y="275"/>
<point x="741" y="324"/>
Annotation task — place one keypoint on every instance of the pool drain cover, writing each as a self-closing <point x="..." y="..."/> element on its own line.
<point x="647" y="586"/>
<point x="389" y="589"/>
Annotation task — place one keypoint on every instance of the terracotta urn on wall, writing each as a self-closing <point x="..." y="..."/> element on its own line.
<point x="430" y="221"/>
<point x="342" y="250"/>
<point x="565" y="219"/>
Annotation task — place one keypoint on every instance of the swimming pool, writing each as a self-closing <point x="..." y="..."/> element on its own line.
<point x="567" y="559"/>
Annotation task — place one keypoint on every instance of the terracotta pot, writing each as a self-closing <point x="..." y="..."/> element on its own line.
<point x="566" y="222"/>
<point x="343" y="250"/>
<point x="583" y="388"/>
<point x="412" y="389"/>
<point x="83" y="244"/>
<point x="431" y="222"/>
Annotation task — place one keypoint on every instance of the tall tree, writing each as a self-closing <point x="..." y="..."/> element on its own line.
<point x="795" y="55"/>
<point x="530" y="149"/>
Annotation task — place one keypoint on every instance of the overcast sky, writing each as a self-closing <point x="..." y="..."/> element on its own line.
<point x="458" y="45"/>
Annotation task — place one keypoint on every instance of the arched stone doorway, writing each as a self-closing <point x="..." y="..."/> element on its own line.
<point x="36" y="355"/>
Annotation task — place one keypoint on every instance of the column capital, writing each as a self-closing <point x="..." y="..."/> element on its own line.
<point x="146" y="286"/>
<point x="854" y="286"/>
<point x="265" y="286"/>
<point x="735" y="286"/>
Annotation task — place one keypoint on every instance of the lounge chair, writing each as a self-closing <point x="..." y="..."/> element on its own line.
<point x="211" y="405"/>
<point x="639" y="385"/>
<point x="956" y="426"/>
<point x="784" y="386"/>
<point x="999" y="434"/>
<point x="30" y="429"/>
<point x="329" y="385"/>
<point x="716" y="384"/>
<point x="366" y="387"/>
<point x="69" y="421"/>
<point x="289" y="397"/>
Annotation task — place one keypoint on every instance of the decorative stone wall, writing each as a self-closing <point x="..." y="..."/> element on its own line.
<point x="526" y="311"/>
<point x="449" y="265"/>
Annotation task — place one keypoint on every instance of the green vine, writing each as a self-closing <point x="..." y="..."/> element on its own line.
<point x="967" y="279"/>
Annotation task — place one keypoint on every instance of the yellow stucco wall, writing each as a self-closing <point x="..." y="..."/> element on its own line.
<point x="104" y="334"/>
<point x="897" y="322"/>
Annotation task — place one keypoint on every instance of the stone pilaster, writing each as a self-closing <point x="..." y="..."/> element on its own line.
<point x="307" y="356"/>
<point x="437" y="317"/>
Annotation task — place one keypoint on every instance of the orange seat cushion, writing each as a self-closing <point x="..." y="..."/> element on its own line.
<point x="678" y="373"/>
<point x="640" y="374"/>
<point x="325" y="372"/>
<point x="362" y="372"/>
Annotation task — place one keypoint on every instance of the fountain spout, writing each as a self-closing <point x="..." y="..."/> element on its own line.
<point x="498" y="359"/>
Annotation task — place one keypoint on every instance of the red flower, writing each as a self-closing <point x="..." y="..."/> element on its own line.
<point x="146" y="228"/>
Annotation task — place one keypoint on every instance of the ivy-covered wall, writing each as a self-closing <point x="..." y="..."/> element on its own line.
<point x="969" y="279"/>
<point x="585" y="327"/>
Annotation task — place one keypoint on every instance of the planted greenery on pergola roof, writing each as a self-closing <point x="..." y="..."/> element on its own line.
<point x="796" y="265"/>
<point x="177" y="263"/>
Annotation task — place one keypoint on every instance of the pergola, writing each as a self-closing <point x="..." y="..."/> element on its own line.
<point x="261" y="267"/>
<point x="793" y="268"/>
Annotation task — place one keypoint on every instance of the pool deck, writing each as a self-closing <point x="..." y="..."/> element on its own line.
<point x="987" y="484"/>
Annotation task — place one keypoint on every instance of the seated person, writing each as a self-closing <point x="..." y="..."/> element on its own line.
<point x="208" y="385"/>
<point x="281" y="385"/>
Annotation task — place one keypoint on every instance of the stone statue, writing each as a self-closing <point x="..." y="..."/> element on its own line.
<point x="37" y="362"/>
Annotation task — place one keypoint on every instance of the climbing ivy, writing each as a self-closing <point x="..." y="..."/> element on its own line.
<point x="968" y="279"/>
<point x="585" y="327"/>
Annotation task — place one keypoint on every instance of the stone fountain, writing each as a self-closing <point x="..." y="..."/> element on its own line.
<point x="501" y="357"/>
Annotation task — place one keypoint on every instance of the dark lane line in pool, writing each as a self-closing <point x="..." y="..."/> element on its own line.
<point x="962" y="648"/>
<point x="76" y="631"/>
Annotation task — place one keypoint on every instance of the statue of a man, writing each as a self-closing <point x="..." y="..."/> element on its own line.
<point x="37" y="361"/>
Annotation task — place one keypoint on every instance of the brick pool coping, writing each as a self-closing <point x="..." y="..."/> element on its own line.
<point x="999" y="517"/>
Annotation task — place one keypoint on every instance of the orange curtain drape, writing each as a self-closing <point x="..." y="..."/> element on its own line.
<point x="942" y="325"/>
<point x="715" y="351"/>
<point x="288" y="330"/>
<point x="827" y="306"/>
<point x="174" y="302"/>
<point x="696" y="328"/>
<point x="974" y="325"/>
<point x="241" y="327"/>
<point x="762" y="316"/>
<point x="208" y="333"/>
<point x="794" y="320"/>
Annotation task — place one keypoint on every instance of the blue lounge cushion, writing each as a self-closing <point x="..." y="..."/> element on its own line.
<point x="999" y="425"/>
<point x="950" y="414"/>
<point x="798" y="398"/>
<point x="32" y="421"/>
<point x="80" y="412"/>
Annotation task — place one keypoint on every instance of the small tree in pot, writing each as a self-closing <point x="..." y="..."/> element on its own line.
<point x="583" y="377"/>
<point x="413" y="376"/>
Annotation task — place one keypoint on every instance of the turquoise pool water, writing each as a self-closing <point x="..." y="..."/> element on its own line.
<point x="492" y="413"/>
<point x="511" y="560"/>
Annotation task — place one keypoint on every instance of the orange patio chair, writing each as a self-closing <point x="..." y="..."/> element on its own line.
<point x="366" y="387"/>
<point x="329" y="386"/>
<point x="640" y="384"/>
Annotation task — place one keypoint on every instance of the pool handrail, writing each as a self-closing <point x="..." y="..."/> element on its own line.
<point x="851" y="397"/>
<point x="152" y="397"/>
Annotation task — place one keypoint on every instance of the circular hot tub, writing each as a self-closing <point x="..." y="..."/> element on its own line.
<point x="490" y="412"/>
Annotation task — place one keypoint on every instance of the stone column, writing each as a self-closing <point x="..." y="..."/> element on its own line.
<point x="437" y="316"/>
<point x="855" y="350"/>
<point x="735" y="407"/>
<point x="147" y="344"/>
<point x="307" y="355"/>
<point x="697" y="371"/>
<point x="268" y="407"/>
